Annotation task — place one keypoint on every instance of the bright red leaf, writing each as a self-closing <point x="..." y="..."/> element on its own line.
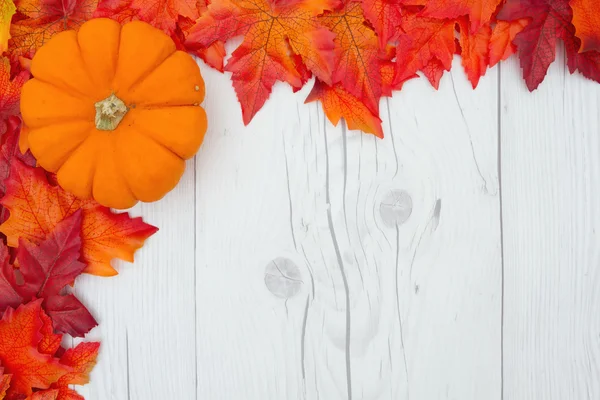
<point x="19" y="339"/>
<point x="385" y="16"/>
<point x="36" y="208"/>
<point x="427" y="45"/>
<point x="273" y="32"/>
<point x="163" y="14"/>
<point x="474" y="50"/>
<point x="478" y="11"/>
<point x="586" y="18"/>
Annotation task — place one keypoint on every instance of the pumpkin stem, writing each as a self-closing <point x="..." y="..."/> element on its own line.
<point x="109" y="112"/>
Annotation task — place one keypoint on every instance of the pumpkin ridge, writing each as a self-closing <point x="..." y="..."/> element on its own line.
<point x="70" y="152"/>
<point x="147" y="135"/>
<point x="71" y="92"/>
<point x="146" y="74"/>
<point x="86" y="67"/>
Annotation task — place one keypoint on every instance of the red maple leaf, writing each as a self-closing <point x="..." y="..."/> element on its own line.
<point x="479" y="11"/>
<point x="385" y="16"/>
<point x="426" y="45"/>
<point x="36" y="208"/>
<point x="9" y="151"/>
<point x="69" y="315"/>
<point x="10" y="92"/>
<point x="41" y="19"/>
<point x="474" y="50"/>
<point x="52" y="264"/>
<point x="274" y="31"/>
<point x="20" y="335"/>
<point x="9" y="296"/>
<point x="586" y="19"/>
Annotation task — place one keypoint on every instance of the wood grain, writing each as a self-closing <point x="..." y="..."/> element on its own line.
<point x="398" y="255"/>
<point x="550" y="181"/>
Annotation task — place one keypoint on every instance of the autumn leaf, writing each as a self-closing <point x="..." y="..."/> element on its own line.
<point x="118" y="10"/>
<point x="501" y="42"/>
<point x="273" y="32"/>
<point x="50" y="394"/>
<point x="69" y="315"/>
<point x="474" y="50"/>
<point x="550" y="20"/>
<point x="479" y="11"/>
<point x="10" y="92"/>
<point x="338" y="103"/>
<point x="36" y="208"/>
<point x="50" y="342"/>
<point x="163" y="14"/>
<point x="4" y="383"/>
<point x="53" y="263"/>
<point x="7" y="10"/>
<point x="385" y="16"/>
<point x="43" y="19"/>
<point x="587" y="63"/>
<point x="427" y="45"/>
<point x="81" y="360"/>
<point x="9" y="151"/>
<point x="586" y="18"/>
<point x="20" y="333"/>
<point x="358" y="58"/>
<point x="9" y="297"/>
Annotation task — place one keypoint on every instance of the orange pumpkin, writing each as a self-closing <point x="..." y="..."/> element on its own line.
<point x="114" y="111"/>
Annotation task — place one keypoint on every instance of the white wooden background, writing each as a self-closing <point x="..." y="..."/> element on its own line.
<point x="457" y="258"/>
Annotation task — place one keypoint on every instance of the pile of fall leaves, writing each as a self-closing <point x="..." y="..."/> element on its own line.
<point x="48" y="237"/>
<point x="358" y="50"/>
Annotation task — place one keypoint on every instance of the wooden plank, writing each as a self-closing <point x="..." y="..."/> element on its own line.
<point x="550" y="175"/>
<point x="332" y="265"/>
<point x="146" y="313"/>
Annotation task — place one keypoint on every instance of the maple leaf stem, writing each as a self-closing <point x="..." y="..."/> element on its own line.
<point x="109" y="113"/>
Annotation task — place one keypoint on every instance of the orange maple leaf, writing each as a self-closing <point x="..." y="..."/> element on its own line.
<point x="479" y="11"/>
<point x="10" y="92"/>
<point x="427" y="45"/>
<point x="274" y="31"/>
<point x="586" y="18"/>
<point x="81" y="360"/>
<point x="19" y="338"/>
<point x="358" y="58"/>
<point x="338" y="103"/>
<point x="474" y="50"/>
<point x="36" y="207"/>
<point x="501" y="42"/>
<point x="43" y="19"/>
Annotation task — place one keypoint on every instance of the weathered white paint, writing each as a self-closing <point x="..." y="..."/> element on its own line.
<point x="302" y="261"/>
